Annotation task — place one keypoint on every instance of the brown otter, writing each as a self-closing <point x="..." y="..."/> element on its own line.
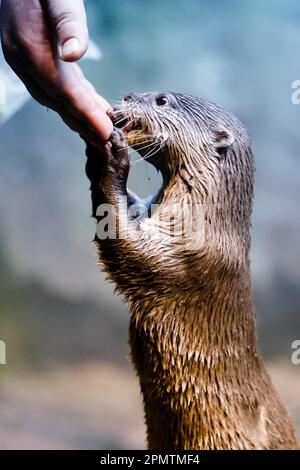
<point x="192" y="322"/>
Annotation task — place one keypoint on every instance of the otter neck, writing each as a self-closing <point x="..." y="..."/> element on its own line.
<point x="163" y="163"/>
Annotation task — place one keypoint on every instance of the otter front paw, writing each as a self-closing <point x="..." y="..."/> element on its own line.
<point x="117" y="160"/>
<point x="116" y="151"/>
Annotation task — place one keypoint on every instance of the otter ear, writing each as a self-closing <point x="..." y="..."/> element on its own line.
<point x="223" y="140"/>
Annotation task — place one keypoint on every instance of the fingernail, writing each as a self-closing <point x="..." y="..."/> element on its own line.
<point x="70" y="47"/>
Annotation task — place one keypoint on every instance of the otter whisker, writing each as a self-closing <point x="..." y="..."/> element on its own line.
<point x="123" y="119"/>
<point x="139" y="146"/>
<point x="127" y="122"/>
<point x="151" y="154"/>
<point x="153" y="151"/>
<point x="118" y="121"/>
<point x="114" y="111"/>
<point x="143" y="147"/>
<point x="155" y="144"/>
<point x="141" y="158"/>
<point x="146" y="135"/>
<point x="131" y="147"/>
<point x="146" y="141"/>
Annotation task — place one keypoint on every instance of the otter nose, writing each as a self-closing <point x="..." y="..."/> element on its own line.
<point x="130" y="97"/>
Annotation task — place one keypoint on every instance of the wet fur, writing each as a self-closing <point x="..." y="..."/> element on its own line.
<point x="192" y="316"/>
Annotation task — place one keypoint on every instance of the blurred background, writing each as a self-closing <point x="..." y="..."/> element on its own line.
<point x="68" y="383"/>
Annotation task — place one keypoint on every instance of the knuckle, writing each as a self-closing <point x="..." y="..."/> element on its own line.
<point x="67" y="23"/>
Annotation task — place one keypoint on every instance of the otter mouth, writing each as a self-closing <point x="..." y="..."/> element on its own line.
<point x="135" y="133"/>
<point x="141" y="139"/>
<point x="121" y="121"/>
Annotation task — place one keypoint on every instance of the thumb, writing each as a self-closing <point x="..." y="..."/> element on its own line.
<point x="70" y="23"/>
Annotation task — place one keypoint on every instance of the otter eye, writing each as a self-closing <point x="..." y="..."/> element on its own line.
<point x="161" y="100"/>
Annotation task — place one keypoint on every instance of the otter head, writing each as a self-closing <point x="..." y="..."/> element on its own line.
<point x="198" y="144"/>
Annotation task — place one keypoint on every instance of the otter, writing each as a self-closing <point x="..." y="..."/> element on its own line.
<point x="192" y="328"/>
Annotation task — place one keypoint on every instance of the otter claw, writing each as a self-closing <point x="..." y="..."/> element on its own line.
<point x="118" y="139"/>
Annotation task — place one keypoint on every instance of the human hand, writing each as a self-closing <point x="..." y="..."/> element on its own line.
<point x="40" y="40"/>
